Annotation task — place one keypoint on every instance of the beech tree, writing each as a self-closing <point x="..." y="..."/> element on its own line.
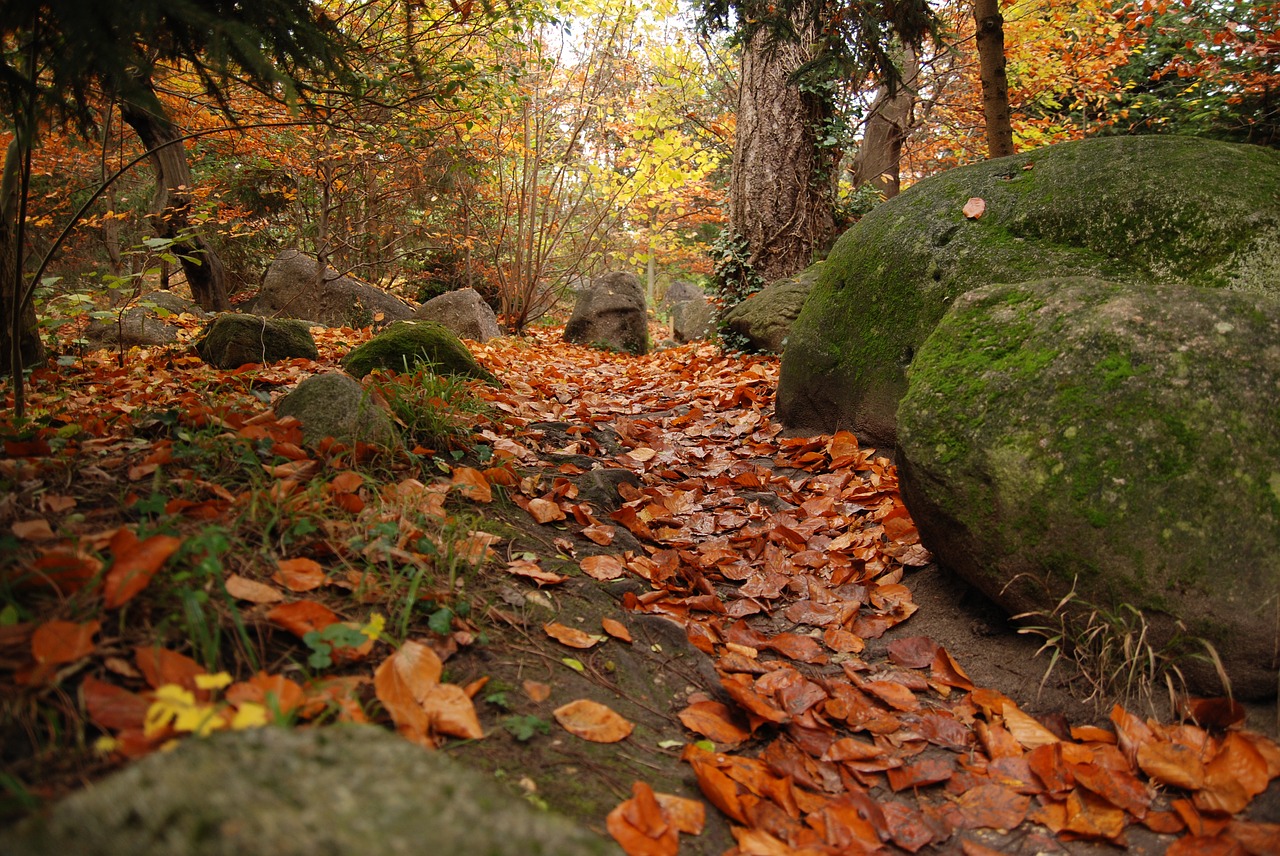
<point x="63" y="62"/>
<point x="995" y="82"/>
<point x="795" y="54"/>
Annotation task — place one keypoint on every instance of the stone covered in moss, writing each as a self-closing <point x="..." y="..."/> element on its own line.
<point x="1128" y="209"/>
<point x="765" y="318"/>
<point x="336" y="405"/>
<point x="278" y="792"/>
<point x="406" y="344"/>
<point x="232" y="340"/>
<point x="1123" y="437"/>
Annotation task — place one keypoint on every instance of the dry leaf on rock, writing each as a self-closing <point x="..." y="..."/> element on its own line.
<point x="531" y="570"/>
<point x="616" y="629"/>
<point x="545" y="511"/>
<point x="975" y="207"/>
<point x="537" y="691"/>
<point x="593" y="721"/>
<point x="571" y="636"/>
<point x="602" y="568"/>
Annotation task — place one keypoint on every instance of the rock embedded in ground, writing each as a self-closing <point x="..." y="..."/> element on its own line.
<point x="1120" y="438"/>
<point x="765" y="318"/>
<point x="405" y="345"/>
<point x="464" y="312"/>
<point x="231" y="340"/>
<point x="336" y="405"/>
<point x="610" y="313"/>
<point x="692" y="320"/>
<point x="142" y="324"/>
<point x="290" y="290"/>
<point x="277" y="792"/>
<point x="1126" y="209"/>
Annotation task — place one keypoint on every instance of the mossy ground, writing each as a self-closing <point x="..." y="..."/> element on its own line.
<point x="406" y="344"/>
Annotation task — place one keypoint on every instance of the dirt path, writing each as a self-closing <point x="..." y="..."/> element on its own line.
<point x="783" y="612"/>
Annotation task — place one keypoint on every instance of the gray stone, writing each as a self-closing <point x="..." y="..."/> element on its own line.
<point x="693" y="319"/>
<point x="289" y="290"/>
<point x="765" y="318"/>
<point x="320" y="792"/>
<point x="231" y="340"/>
<point x="143" y="324"/>
<point x="1121" y="438"/>
<point x="336" y="405"/>
<point x="678" y="292"/>
<point x="464" y="312"/>
<point x="611" y="314"/>
<point x="407" y="344"/>
<point x="1126" y="209"/>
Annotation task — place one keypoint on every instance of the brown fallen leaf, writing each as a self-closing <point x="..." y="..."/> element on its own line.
<point x="531" y="570"/>
<point x="136" y="562"/>
<point x="602" y="568"/>
<point x="545" y="511"/>
<point x="593" y="721"/>
<point x="571" y="636"/>
<point x="537" y="691"/>
<point x="243" y="588"/>
<point x="299" y="575"/>
<point x="616" y="629"/>
<point x="473" y="484"/>
<point x="36" y="529"/>
<point x="302" y="616"/>
<point x="975" y="207"/>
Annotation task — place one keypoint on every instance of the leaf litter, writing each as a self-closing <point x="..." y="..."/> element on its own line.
<point x="777" y="557"/>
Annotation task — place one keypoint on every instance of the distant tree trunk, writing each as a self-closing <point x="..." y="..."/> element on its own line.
<point x="879" y="158"/>
<point x="18" y="325"/>
<point x="995" y="83"/>
<point x="171" y="206"/>
<point x="782" y="190"/>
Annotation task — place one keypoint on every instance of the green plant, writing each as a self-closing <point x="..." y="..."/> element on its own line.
<point x="524" y="728"/>
<point x="733" y="280"/>
<point x="1114" y="653"/>
<point x="436" y="410"/>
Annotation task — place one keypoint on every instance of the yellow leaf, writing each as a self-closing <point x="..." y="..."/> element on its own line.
<point x="249" y="715"/>
<point x="213" y="682"/>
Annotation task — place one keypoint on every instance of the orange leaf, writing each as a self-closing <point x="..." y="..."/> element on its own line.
<point x="302" y="616"/>
<point x="473" y="484"/>
<point x="450" y="711"/>
<point x="714" y="720"/>
<point x="570" y="636"/>
<point x="136" y="562"/>
<point x="348" y="481"/>
<point x="1172" y="764"/>
<point x="526" y="568"/>
<point x="599" y="533"/>
<point x="111" y="707"/>
<point x="545" y="511"/>
<point x="593" y="721"/>
<point x="276" y="693"/>
<point x="975" y="207"/>
<point x="1025" y="729"/>
<point x="537" y="691"/>
<point x="616" y="629"/>
<point x="395" y="682"/>
<point x="243" y="588"/>
<point x="161" y="666"/>
<point x="639" y="826"/>
<point x="299" y="574"/>
<point x="37" y="529"/>
<point x="1234" y="777"/>
<point x="602" y="567"/>
<point x="992" y="807"/>
<point x="57" y="642"/>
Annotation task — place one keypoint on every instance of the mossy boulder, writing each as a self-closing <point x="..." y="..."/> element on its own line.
<point x="407" y="344"/>
<point x="146" y="323"/>
<point x="232" y="339"/>
<point x="765" y="318"/>
<point x="277" y="792"/>
<point x="336" y="405"/>
<point x="1121" y="438"/>
<point x="1127" y="209"/>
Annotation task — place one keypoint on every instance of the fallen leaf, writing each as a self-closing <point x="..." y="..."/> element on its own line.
<point x="545" y="511"/>
<point x="640" y="827"/>
<point x="571" y="636"/>
<point x="302" y="616"/>
<point x="243" y="588"/>
<point x="616" y="629"/>
<point x="136" y="562"/>
<point x="593" y="721"/>
<point x="531" y="570"/>
<point x="161" y="666"/>
<point x="537" y="691"/>
<point x="715" y="721"/>
<point x="602" y="568"/>
<point x="599" y="533"/>
<point x="56" y="642"/>
<point x="112" y="707"/>
<point x="473" y="484"/>
<point x="450" y="711"/>
<point x="36" y="529"/>
<point x="975" y="207"/>
<point x="299" y="575"/>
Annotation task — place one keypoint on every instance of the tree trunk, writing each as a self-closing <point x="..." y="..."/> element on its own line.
<point x="879" y="158"/>
<point x="17" y="317"/>
<point x="782" y="190"/>
<point x="995" y="83"/>
<point x="171" y="206"/>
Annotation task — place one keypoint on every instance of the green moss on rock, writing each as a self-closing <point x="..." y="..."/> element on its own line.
<point x="232" y="339"/>
<point x="1127" y="209"/>
<point x="1121" y="434"/>
<point x="406" y="344"/>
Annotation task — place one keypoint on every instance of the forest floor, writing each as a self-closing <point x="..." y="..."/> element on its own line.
<point x="623" y="580"/>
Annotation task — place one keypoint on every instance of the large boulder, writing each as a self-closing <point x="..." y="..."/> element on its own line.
<point x="277" y="792"/>
<point x="406" y="344"/>
<point x="1127" y="209"/>
<point x="610" y="313"/>
<point x="692" y="320"/>
<point x="232" y="339"/>
<point x="290" y="290"/>
<point x="1122" y="439"/>
<point x="144" y="324"/>
<point x="764" y="319"/>
<point x="464" y="312"/>
<point x="336" y="405"/>
<point x="679" y="292"/>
